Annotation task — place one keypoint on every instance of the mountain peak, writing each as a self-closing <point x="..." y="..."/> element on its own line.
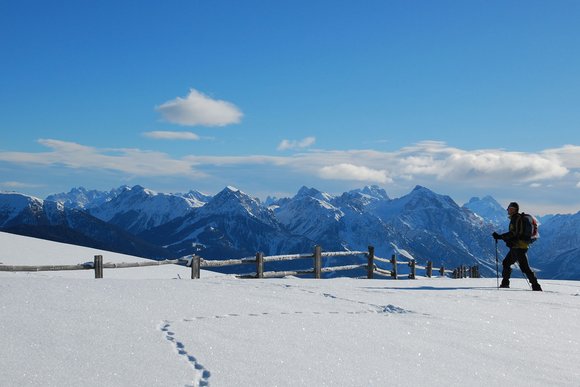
<point x="374" y="191"/>
<point x="199" y="197"/>
<point x="485" y="199"/>
<point x="231" y="196"/>
<point x="424" y="193"/>
<point x="420" y="188"/>
<point x="82" y="198"/>
<point x="229" y="192"/>
<point x="487" y="208"/>
<point x="305" y="192"/>
<point x="232" y="201"/>
<point x="139" y="189"/>
<point x="421" y="198"/>
<point x="77" y="190"/>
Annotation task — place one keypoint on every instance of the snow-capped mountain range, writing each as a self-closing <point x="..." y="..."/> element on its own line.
<point x="232" y="224"/>
<point x="26" y="215"/>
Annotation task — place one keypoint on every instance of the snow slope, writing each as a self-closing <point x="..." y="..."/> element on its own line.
<point x="21" y="250"/>
<point x="221" y="331"/>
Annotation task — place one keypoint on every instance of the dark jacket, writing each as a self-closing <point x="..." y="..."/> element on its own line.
<point x="514" y="238"/>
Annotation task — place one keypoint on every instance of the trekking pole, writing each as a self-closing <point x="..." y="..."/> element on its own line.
<point x="523" y="276"/>
<point x="496" y="265"/>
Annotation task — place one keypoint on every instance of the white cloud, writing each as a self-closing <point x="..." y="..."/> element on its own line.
<point x="354" y="173"/>
<point x="296" y="144"/>
<point x="426" y="163"/>
<point x="168" y="135"/>
<point x="568" y="155"/>
<point x="423" y="163"/>
<point x="452" y="164"/>
<point x="199" y="109"/>
<point x="17" y="184"/>
<point x="134" y="162"/>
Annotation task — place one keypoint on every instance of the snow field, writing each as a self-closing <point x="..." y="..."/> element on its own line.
<point x="222" y="331"/>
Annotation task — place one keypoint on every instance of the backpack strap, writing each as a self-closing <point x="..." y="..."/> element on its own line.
<point x="519" y="226"/>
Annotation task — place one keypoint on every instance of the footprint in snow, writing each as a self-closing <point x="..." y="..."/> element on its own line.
<point x="202" y="374"/>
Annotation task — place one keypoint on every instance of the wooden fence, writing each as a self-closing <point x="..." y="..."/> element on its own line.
<point x="259" y="260"/>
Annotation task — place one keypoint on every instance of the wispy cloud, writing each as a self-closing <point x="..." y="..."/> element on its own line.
<point x="199" y="109"/>
<point x="17" y="185"/>
<point x="424" y="163"/>
<point x="169" y="135"/>
<point x="452" y="164"/>
<point x="354" y="173"/>
<point x="296" y="144"/>
<point x="130" y="161"/>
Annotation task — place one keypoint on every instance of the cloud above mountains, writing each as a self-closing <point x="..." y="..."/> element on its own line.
<point x="427" y="160"/>
<point x="550" y="178"/>
<point x="453" y="164"/>
<point x="130" y="161"/>
<point x="171" y="135"/>
<point x="296" y="144"/>
<point x="352" y="172"/>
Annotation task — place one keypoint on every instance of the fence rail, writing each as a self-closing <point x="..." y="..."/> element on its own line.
<point x="197" y="263"/>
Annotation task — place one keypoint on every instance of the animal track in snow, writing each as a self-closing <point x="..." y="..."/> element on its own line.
<point x="201" y="373"/>
<point x="386" y="309"/>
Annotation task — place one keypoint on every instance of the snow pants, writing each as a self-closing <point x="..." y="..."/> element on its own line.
<point x="519" y="256"/>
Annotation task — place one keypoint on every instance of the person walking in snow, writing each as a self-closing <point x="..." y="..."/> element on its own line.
<point x="518" y="246"/>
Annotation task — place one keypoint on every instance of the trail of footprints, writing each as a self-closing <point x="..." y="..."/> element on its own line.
<point x="202" y="374"/>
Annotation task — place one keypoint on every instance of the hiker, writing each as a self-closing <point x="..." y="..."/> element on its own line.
<point x="518" y="245"/>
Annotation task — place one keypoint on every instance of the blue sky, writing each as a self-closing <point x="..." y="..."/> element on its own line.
<point x="467" y="98"/>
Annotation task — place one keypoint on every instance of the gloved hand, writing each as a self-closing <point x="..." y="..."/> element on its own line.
<point x="496" y="236"/>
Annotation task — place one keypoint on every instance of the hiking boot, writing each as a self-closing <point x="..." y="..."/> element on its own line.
<point x="536" y="287"/>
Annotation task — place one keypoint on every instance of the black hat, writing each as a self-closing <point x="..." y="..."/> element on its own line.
<point x="514" y="205"/>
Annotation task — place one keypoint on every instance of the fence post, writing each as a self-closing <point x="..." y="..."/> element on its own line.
<point x="195" y="267"/>
<point x="394" y="262"/>
<point x="412" y="266"/>
<point x="429" y="269"/>
<point x="98" y="263"/>
<point x="317" y="261"/>
<point x="371" y="262"/>
<point x="260" y="265"/>
<point x="442" y="271"/>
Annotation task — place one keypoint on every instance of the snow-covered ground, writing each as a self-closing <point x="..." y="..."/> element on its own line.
<point x="155" y="327"/>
